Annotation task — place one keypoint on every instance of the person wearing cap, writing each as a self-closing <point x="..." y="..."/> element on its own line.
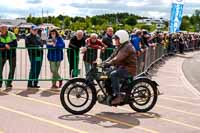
<point x="8" y="44"/>
<point x="55" y="45"/>
<point x="34" y="45"/>
<point x="124" y="61"/>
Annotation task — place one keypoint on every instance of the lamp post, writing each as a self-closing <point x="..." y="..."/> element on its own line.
<point x="63" y="24"/>
<point x="197" y="27"/>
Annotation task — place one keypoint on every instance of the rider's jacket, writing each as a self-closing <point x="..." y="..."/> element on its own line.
<point x="124" y="56"/>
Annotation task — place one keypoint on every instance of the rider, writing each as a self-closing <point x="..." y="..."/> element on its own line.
<point x="124" y="62"/>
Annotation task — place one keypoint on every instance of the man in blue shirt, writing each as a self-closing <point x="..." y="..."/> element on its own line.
<point x="136" y="41"/>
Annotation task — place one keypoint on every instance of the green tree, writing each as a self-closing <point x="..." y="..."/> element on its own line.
<point x="78" y="19"/>
<point x="57" y="22"/>
<point x="67" y="21"/>
<point x="38" y="21"/>
<point x="94" y="20"/>
<point x="60" y="17"/>
<point x="29" y="19"/>
<point x="131" y="20"/>
<point x="185" y="23"/>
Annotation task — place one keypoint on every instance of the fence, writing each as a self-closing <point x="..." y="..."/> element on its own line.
<point x="73" y="64"/>
<point x="20" y="60"/>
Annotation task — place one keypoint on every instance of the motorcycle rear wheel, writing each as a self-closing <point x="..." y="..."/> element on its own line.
<point x="77" y="89"/>
<point x="144" y="95"/>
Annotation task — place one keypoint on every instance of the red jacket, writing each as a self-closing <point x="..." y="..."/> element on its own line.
<point x="97" y="45"/>
<point x="91" y="53"/>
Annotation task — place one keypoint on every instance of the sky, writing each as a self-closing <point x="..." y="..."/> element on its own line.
<point x="147" y="8"/>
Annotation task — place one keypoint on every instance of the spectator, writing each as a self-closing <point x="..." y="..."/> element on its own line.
<point x="172" y="43"/>
<point x="193" y="41"/>
<point x="35" y="52"/>
<point x="108" y="42"/>
<point x="90" y="56"/>
<point x="8" y="44"/>
<point x="145" y="38"/>
<point x="136" y="41"/>
<point x="181" y="44"/>
<point x="165" y="42"/>
<point x="44" y="36"/>
<point x="75" y="44"/>
<point x="107" y="39"/>
<point x="55" y="56"/>
<point x="16" y="32"/>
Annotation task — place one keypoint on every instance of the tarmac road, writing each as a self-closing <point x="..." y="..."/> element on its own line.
<point x="40" y="111"/>
<point x="191" y="68"/>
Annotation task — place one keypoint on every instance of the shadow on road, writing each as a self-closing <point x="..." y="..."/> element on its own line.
<point x="49" y="92"/>
<point x="154" y="69"/>
<point x="28" y="92"/>
<point x="111" y="120"/>
<point x="3" y="94"/>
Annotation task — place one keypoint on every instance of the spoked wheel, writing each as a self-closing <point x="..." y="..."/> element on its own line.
<point x="143" y="95"/>
<point x="76" y="97"/>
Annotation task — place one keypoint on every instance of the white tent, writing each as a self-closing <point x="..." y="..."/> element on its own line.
<point x="50" y="26"/>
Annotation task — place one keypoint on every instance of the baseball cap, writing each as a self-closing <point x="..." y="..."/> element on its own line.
<point x="34" y="27"/>
<point x="3" y="25"/>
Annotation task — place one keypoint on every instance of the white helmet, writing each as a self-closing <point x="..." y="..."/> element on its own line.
<point x="122" y="35"/>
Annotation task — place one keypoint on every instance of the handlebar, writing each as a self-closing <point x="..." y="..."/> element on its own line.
<point x="102" y="65"/>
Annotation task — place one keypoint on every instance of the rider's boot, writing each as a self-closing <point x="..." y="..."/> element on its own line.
<point x="117" y="100"/>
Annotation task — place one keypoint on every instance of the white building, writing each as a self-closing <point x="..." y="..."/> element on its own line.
<point x="160" y="23"/>
<point x="49" y="25"/>
<point x="152" y="20"/>
<point x="12" y="22"/>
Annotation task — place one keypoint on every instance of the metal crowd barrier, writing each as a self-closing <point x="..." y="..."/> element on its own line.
<point x="23" y="64"/>
<point x="149" y="57"/>
<point x="72" y="58"/>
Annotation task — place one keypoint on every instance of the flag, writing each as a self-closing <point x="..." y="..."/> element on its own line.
<point x="176" y="15"/>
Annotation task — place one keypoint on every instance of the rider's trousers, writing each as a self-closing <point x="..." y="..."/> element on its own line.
<point x="116" y="75"/>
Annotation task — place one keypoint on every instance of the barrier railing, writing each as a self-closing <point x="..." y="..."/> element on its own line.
<point x="23" y="64"/>
<point x="32" y="61"/>
<point x="16" y="64"/>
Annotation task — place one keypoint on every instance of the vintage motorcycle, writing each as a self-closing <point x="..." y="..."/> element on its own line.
<point x="79" y="95"/>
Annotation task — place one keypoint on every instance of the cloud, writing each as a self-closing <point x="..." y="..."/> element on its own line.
<point x="34" y="1"/>
<point x="8" y="12"/>
<point x="149" y="8"/>
<point x="136" y="4"/>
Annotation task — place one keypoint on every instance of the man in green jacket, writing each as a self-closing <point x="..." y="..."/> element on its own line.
<point x="8" y="44"/>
